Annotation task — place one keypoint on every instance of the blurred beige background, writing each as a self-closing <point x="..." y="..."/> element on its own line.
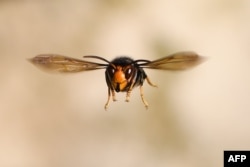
<point x="49" y="120"/>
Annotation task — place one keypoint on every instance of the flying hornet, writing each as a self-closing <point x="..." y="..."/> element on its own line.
<point x="122" y="74"/>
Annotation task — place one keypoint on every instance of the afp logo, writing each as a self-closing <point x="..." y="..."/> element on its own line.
<point x="236" y="158"/>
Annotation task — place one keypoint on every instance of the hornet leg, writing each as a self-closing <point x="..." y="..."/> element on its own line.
<point x="107" y="103"/>
<point x="150" y="83"/>
<point x="142" y="97"/>
<point x="109" y="96"/>
<point x="129" y="91"/>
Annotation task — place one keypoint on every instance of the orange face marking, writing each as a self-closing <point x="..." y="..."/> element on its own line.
<point x="119" y="76"/>
<point x="119" y="79"/>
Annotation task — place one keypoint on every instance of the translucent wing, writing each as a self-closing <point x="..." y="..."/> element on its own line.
<point x="59" y="63"/>
<point x="176" y="61"/>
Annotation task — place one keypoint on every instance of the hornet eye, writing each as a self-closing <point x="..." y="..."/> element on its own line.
<point x="128" y="72"/>
<point x="112" y="70"/>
